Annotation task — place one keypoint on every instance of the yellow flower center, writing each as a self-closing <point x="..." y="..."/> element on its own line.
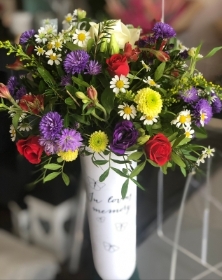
<point x="69" y="18"/>
<point x="127" y="110"/>
<point x="81" y="37"/>
<point x="152" y="83"/>
<point x="183" y="119"/>
<point x="187" y="133"/>
<point x="149" y="118"/>
<point x="203" y="116"/>
<point x="57" y="44"/>
<point x="49" y="46"/>
<point x="40" y="50"/>
<point x="119" y="84"/>
<point x="53" y="56"/>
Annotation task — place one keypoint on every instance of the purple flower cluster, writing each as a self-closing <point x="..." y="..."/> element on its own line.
<point x="78" y="61"/>
<point x="15" y="89"/>
<point x="26" y="36"/>
<point x="202" y="112"/>
<point x="190" y="95"/>
<point x="216" y="103"/>
<point x="125" y="135"/>
<point x="163" y="30"/>
<point x="54" y="137"/>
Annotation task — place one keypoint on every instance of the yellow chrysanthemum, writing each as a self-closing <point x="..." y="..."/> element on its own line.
<point x="69" y="155"/>
<point x="98" y="141"/>
<point x="149" y="102"/>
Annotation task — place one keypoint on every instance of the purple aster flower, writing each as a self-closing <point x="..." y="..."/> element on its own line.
<point x="20" y="92"/>
<point x="93" y="68"/>
<point x="190" y="95"/>
<point x="70" y="139"/>
<point x="50" y="146"/>
<point x="76" y="61"/>
<point x="12" y="84"/>
<point x="66" y="80"/>
<point x="216" y="103"/>
<point x="202" y="112"/>
<point x="26" y="36"/>
<point x="51" y="125"/>
<point x="124" y="136"/>
<point x="163" y="30"/>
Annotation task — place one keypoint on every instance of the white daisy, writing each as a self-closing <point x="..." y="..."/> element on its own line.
<point x="24" y="127"/>
<point x="23" y="115"/>
<point x="50" y="30"/>
<point x="39" y="50"/>
<point x="208" y="152"/>
<point x="53" y="57"/>
<point x="149" y="120"/>
<point x="41" y="36"/>
<point x="12" y="131"/>
<point x="183" y="119"/>
<point x="189" y="132"/>
<point x="119" y="84"/>
<point x="127" y="111"/>
<point x="57" y="44"/>
<point x="68" y="19"/>
<point x="81" y="37"/>
<point x="201" y="159"/>
<point x="151" y="82"/>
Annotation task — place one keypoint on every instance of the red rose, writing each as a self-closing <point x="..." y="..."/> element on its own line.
<point x="30" y="149"/>
<point x="118" y="65"/>
<point x="32" y="103"/>
<point x="158" y="149"/>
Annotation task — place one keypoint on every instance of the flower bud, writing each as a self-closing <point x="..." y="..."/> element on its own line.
<point x="81" y="14"/>
<point x="92" y="93"/>
<point x="113" y="45"/>
<point x="103" y="45"/>
<point x="143" y="139"/>
<point x="160" y="55"/>
<point x="80" y="95"/>
<point x="4" y="92"/>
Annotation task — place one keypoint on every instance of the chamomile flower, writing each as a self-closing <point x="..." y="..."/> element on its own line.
<point x="24" y="127"/>
<point x="208" y="152"/>
<point x="39" y="50"/>
<point x="98" y="141"/>
<point x="189" y="132"/>
<point x="127" y="111"/>
<point x="53" y="57"/>
<point x="151" y="82"/>
<point x="57" y="44"/>
<point x="68" y="19"/>
<point x="149" y="120"/>
<point x="12" y="132"/>
<point x="50" y="30"/>
<point x="183" y="119"/>
<point x="145" y="66"/>
<point x="41" y="36"/>
<point x="81" y="37"/>
<point x="119" y="84"/>
<point x="200" y="160"/>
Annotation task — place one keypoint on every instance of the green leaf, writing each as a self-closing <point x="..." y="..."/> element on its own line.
<point x="173" y="136"/>
<point x="164" y="168"/>
<point x="213" y="51"/>
<point x="51" y="176"/>
<point x="15" y="120"/>
<point x="177" y="160"/>
<point x="107" y="99"/>
<point x="138" y="169"/>
<point x="119" y="172"/>
<point x="80" y="82"/>
<point x="81" y="119"/>
<point x="72" y="46"/>
<point x="69" y="101"/>
<point x="104" y="175"/>
<point x="59" y="159"/>
<point x="65" y="178"/>
<point x="183" y="171"/>
<point x="47" y="77"/>
<point x="52" y="166"/>
<point x="120" y="161"/>
<point x="200" y="132"/>
<point x="100" y="162"/>
<point x="125" y="188"/>
<point x="152" y="163"/>
<point x="159" y="71"/>
<point x="135" y="156"/>
<point x="66" y="120"/>
<point x="178" y="140"/>
<point x="137" y="183"/>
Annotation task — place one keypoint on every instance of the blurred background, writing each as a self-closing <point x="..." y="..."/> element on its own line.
<point x="43" y="231"/>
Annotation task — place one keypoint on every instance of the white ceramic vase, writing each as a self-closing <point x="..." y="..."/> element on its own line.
<point x="112" y="220"/>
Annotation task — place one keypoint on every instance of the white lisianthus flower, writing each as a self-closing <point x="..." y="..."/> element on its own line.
<point x="122" y="33"/>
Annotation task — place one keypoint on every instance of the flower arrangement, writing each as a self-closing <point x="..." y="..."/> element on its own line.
<point x="104" y="88"/>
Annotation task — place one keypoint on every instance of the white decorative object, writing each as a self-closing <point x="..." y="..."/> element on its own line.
<point x="112" y="220"/>
<point x="48" y="225"/>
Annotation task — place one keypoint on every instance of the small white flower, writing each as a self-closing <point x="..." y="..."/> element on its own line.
<point x="12" y="131"/>
<point x="200" y="160"/>
<point x="149" y="120"/>
<point x="81" y="37"/>
<point x="189" y="132"/>
<point x="41" y="36"/>
<point x="147" y="67"/>
<point x="183" y="119"/>
<point x="203" y="117"/>
<point x="50" y="30"/>
<point x="53" y="57"/>
<point x="39" y="50"/>
<point x="68" y="19"/>
<point x="119" y="84"/>
<point x="151" y="82"/>
<point x="127" y="111"/>
<point x="57" y="44"/>
<point x="24" y="127"/>
<point x="23" y="115"/>
<point x="208" y="152"/>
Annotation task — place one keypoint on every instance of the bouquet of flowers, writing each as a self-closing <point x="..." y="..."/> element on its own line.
<point x="103" y="88"/>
